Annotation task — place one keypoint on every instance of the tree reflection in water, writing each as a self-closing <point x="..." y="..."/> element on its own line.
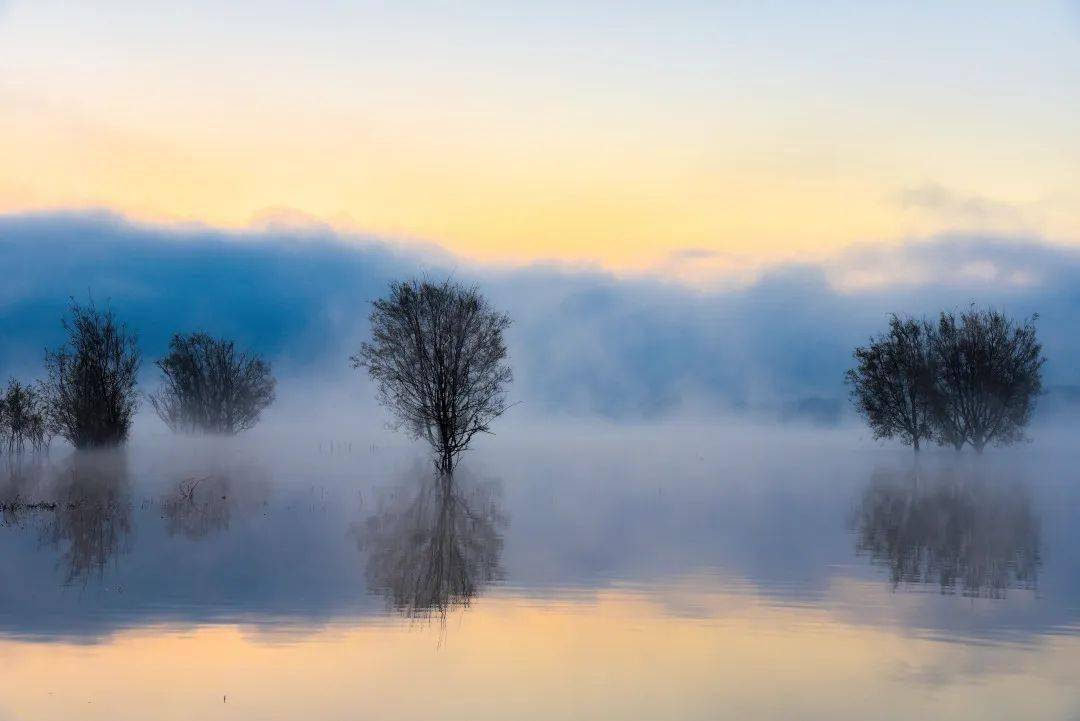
<point x="970" y="535"/>
<point x="432" y="545"/>
<point x="92" y="517"/>
<point x="21" y="482"/>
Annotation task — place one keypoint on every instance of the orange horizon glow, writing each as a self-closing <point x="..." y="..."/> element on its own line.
<point x="615" y="655"/>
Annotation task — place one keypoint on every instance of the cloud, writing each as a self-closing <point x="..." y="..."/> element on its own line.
<point x="960" y="208"/>
<point x="973" y="263"/>
<point x="707" y="267"/>
<point x="693" y="254"/>
<point x="583" y="342"/>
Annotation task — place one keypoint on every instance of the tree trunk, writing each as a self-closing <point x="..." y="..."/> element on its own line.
<point x="444" y="463"/>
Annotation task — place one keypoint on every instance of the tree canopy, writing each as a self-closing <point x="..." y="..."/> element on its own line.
<point x="972" y="379"/>
<point x="892" y="386"/>
<point x="438" y="357"/>
<point x="91" y="384"/>
<point x="207" y="386"/>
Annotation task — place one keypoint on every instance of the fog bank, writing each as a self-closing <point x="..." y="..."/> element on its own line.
<point x="583" y="343"/>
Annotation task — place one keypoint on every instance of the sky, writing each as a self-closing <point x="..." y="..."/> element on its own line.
<point x="685" y="139"/>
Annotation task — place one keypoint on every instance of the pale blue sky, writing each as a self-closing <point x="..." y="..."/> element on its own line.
<point x="612" y="132"/>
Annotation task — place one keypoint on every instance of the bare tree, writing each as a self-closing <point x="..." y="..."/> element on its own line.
<point x="208" y="386"/>
<point x="892" y="386"/>
<point x="24" y="419"/>
<point x="988" y="377"/>
<point x="91" y="385"/>
<point x="438" y="356"/>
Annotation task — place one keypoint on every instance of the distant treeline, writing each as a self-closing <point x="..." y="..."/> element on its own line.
<point x="90" y="394"/>
<point x="968" y="379"/>
<point x="438" y="358"/>
<point x="436" y="355"/>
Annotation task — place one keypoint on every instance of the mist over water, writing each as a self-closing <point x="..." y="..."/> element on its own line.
<point x="684" y="539"/>
<point x="678" y="517"/>
<point x="680" y="310"/>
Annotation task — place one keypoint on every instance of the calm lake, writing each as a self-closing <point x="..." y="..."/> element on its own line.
<point x="667" y="572"/>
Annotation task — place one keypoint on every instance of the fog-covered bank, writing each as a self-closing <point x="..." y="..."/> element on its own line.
<point x="583" y="342"/>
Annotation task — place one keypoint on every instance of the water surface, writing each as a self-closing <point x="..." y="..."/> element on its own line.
<point x="641" y="573"/>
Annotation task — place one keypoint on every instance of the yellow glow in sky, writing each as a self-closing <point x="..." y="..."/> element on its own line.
<point x="614" y="135"/>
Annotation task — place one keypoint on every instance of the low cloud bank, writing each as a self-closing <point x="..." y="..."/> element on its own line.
<point x="583" y="342"/>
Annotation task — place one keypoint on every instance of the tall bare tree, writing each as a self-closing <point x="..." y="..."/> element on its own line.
<point x="893" y="384"/>
<point x="207" y="386"/>
<point x="438" y="356"/>
<point x="988" y="378"/>
<point x="91" y="386"/>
